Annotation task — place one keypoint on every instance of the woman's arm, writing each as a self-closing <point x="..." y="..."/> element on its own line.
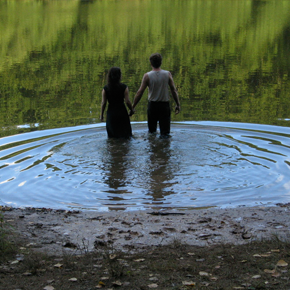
<point x="128" y="102"/>
<point x="103" y="106"/>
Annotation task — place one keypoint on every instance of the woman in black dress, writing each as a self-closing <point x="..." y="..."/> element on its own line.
<point x="118" y="121"/>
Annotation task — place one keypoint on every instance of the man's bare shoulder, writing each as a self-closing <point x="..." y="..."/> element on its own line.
<point x="146" y="77"/>
<point x="170" y="76"/>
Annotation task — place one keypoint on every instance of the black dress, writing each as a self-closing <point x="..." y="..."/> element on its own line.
<point x="118" y="121"/>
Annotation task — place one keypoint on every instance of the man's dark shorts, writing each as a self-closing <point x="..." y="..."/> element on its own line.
<point x="159" y="112"/>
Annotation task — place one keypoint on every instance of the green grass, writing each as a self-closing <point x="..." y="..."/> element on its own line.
<point x="7" y="247"/>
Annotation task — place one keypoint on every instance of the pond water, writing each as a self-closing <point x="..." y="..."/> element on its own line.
<point x="229" y="60"/>
<point x="202" y="164"/>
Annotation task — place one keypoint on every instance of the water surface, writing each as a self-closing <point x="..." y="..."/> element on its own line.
<point x="202" y="164"/>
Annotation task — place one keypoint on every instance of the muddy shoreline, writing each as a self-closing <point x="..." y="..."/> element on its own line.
<point x="60" y="231"/>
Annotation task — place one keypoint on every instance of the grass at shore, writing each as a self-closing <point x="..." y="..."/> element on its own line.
<point x="257" y="265"/>
<point x="6" y="247"/>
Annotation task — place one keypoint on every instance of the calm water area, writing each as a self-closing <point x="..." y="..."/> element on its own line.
<point x="230" y="143"/>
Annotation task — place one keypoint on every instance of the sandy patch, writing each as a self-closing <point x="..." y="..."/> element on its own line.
<point x="57" y="231"/>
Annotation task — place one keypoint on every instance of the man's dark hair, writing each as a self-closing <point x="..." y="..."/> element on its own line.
<point x="156" y="60"/>
<point x="114" y="76"/>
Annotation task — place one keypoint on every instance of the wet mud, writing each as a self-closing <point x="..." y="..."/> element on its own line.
<point x="59" y="231"/>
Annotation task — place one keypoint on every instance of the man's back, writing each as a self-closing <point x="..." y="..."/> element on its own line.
<point x="158" y="86"/>
<point x="158" y="81"/>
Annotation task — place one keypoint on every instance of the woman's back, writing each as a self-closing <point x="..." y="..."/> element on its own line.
<point x="115" y="93"/>
<point x="118" y="121"/>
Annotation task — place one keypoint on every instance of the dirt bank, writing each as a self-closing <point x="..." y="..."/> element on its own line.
<point x="56" y="231"/>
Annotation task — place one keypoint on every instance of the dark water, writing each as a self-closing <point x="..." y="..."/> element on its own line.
<point x="203" y="164"/>
<point x="230" y="62"/>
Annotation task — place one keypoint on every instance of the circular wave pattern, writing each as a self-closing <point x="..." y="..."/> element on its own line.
<point x="203" y="164"/>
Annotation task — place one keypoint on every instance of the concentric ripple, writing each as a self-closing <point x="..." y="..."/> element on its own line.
<point x="203" y="164"/>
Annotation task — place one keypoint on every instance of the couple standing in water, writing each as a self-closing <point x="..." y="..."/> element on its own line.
<point x="115" y="93"/>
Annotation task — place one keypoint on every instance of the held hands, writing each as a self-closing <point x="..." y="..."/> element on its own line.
<point x="131" y="113"/>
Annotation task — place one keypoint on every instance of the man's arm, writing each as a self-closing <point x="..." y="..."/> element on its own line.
<point x="139" y="94"/>
<point x="174" y="93"/>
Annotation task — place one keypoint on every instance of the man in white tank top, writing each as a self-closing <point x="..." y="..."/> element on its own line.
<point x="157" y="82"/>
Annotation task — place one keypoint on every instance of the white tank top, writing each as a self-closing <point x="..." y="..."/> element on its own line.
<point x="158" y="86"/>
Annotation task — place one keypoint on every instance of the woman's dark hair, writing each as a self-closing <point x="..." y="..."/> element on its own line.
<point x="156" y="60"/>
<point x="114" y="76"/>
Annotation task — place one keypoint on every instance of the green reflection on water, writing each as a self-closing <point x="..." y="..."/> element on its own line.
<point x="230" y="59"/>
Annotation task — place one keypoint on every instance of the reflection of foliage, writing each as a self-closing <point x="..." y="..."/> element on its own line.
<point x="223" y="55"/>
